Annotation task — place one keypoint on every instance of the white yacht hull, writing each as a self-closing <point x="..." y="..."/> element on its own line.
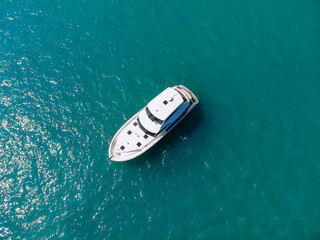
<point x="121" y="139"/>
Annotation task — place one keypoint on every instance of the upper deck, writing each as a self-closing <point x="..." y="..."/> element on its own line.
<point x="165" y="103"/>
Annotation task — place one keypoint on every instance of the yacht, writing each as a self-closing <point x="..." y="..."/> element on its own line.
<point x="152" y="123"/>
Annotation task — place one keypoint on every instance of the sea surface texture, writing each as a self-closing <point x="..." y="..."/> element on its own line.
<point x="245" y="164"/>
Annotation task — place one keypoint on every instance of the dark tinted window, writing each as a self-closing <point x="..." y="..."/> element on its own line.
<point x="152" y="117"/>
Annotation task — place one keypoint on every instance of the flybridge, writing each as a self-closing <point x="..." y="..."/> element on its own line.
<point x="165" y="103"/>
<point x="152" y="123"/>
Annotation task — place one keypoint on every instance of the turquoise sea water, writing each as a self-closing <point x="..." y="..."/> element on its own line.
<point x="245" y="164"/>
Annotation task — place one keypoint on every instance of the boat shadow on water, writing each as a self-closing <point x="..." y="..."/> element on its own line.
<point x="188" y="126"/>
